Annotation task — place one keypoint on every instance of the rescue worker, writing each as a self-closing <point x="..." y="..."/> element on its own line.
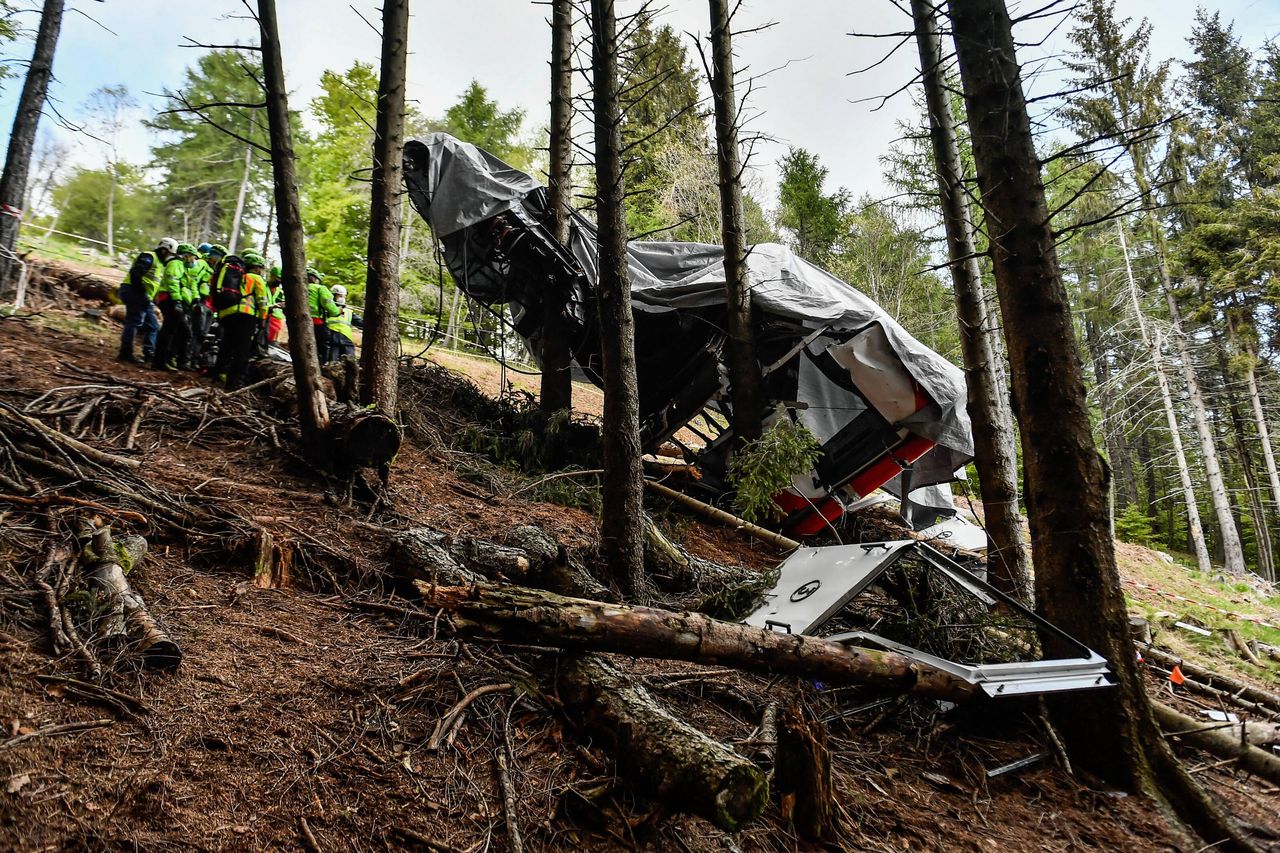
<point x="171" y="298"/>
<point x="341" y="338"/>
<point x="320" y="302"/>
<point x="137" y="291"/>
<point x="240" y="321"/>
<point x="199" y="315"/>
<point x="275" y="295"/>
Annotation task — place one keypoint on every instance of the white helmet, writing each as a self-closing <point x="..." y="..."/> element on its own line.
<point x="339" y="292"/>
<point x="169" y="244"/>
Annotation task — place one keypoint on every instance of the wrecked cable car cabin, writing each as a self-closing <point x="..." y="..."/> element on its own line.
<point x="887" y="410"/>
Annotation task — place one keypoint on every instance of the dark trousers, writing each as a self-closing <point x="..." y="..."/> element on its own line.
<point x="201" y="318"/>
<point x="340" y="347"/>
<point x="139" y="319"/>
<point x="322" y="342"/>
<point x="238" y="331"/>
<point x="174" y="334"/>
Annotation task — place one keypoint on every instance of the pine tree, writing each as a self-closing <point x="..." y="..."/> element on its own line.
<point x="622" y="494"/>
<point x="380" y="356"/>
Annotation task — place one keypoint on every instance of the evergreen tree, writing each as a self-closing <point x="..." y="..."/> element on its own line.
<point x="203" y="167"/>
<point x="813" y="218"/>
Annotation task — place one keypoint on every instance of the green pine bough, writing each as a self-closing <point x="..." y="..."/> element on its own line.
<point x="765" y="466"/>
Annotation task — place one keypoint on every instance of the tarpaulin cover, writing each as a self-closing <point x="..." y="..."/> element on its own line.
<point x="456" y="185"/>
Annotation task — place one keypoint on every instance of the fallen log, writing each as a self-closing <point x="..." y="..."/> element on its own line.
<point x="676" y="762"/>
<point x="1224" y="742"/>
<point x="125" y="617"/>
<point x="523" y="615"/>
<point x="1234" y="686"/>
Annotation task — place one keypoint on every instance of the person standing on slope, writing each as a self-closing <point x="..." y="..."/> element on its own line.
<point x="322" y="307"/>
<point x="139" y="288"/>
<point x="240" y="298"/>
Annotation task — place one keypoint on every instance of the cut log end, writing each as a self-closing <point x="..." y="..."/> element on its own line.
<point x="367" y="439"/>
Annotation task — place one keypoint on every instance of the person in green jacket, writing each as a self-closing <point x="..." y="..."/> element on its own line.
<point x="341" y="338"/>
<point x="321" y="305"/>
<point x="139" y="288"/>
<point x="172" y="299"/>
<point x="240" y="322"/>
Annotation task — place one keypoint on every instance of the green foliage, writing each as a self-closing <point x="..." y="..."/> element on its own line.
<point x="813" y="218"/>
<point x="660" y="116"/>
<point x="1134" y="526"/>
<point x="764" y="467"/>
<point x="8" y="33"/>
<point x="335" y="201"/>
<point x="140" y="214"/>
<point x="203" y="167"/>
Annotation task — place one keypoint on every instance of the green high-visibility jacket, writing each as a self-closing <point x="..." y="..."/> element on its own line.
<point x="150" y="282"/>
<point x="174" y="281"/>
<point x="340" y="323"/>
<point x="275" y="299"/>
<point x="198" y="275"/>
<point x="320" y="302"/>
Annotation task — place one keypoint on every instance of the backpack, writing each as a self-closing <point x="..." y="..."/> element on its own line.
<point x="230" y="289"/>
<point x="141" y="265"/>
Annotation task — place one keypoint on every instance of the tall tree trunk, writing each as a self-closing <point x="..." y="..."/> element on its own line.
<point x="1257" y="512"/>
<point x="238" y="217"/>
<point x="622" y="497"/>
<point x="1112" y="732"/>
<point x="557" y="377"/>
<point x="993" y="433"/>
<point x="1195" y="531"/>
<point x="266" y="232"/>
<point x="22" y="138"/>
<point x="745" y="382"/>
<point x="1264" y="435"/>
<point x="1233" y="553"/>
<point x="380" y="358"/>
<point x="313" y="408"/>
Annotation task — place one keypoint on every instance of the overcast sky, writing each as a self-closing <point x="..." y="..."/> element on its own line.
<point x="809" y="101"/>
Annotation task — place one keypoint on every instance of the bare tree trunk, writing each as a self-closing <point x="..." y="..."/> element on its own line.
<point x="745" y="381"/>
<point x="1257" y="512"/>
<point x="22" y="138"/>
<point x="1152" y="342"/>
<point x="993" y="433"/>
<point x="1233" y="553"/>
<point x="557" y="379"/>
<point x="1111" y="733"/>
<point x="238" y="216"/>
<point x="622" y="495"/>
<point x="313" y="408"/>
<point x="380" y="358"/>
<point x="266" y="232"/>
<point x="1264" y="434"/>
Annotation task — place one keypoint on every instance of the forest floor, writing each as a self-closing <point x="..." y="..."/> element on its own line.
<point x="303" y="713"/>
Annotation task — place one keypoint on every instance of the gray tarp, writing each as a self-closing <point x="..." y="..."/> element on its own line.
<point x="459" y="185"/>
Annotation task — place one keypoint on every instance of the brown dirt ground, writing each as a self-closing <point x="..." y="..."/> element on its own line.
<point x="304" y="705"/>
